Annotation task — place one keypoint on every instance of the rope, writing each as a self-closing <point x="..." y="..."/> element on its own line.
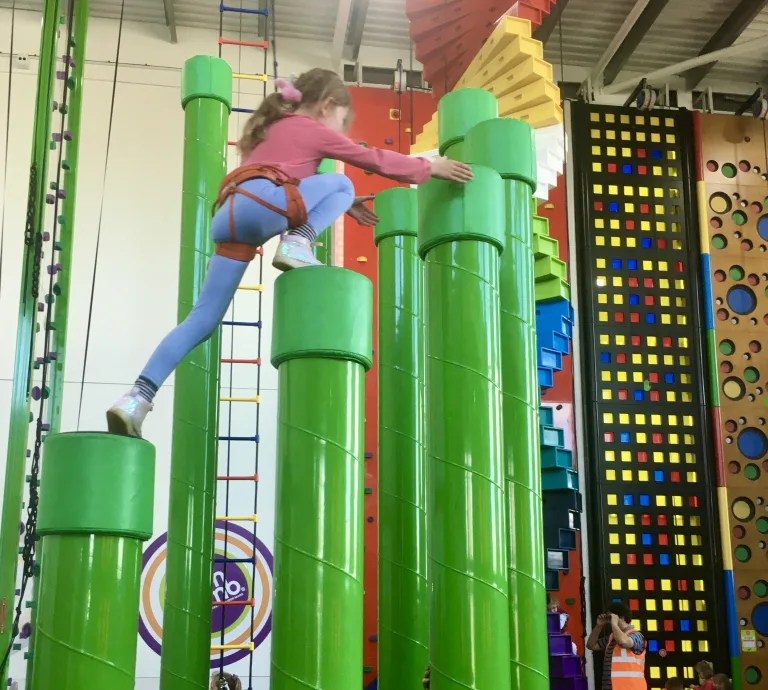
<point x="7" y="140"/>
<point x="101" y="214"/>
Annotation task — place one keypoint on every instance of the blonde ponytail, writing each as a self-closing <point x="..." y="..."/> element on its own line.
<point x="272" y="108"/>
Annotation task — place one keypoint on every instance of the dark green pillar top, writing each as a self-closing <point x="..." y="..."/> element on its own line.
<point x="323" y="311"/>
<point x="449" y="211"/>
<point x="459" y="111"/>
<point x="397" y="209"/>
<point x="506" y="145"/>
<point x="204" y="76"/>
<point x="97" y="483"/>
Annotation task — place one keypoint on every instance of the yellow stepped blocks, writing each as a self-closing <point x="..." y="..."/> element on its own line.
<point x="529" y="96"/>
<point x="506" y="32"/>
<point x="529" y="71"/>
<point x="515" y="53"/>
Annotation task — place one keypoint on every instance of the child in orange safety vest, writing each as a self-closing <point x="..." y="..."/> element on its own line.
<point x="624" y="647"/>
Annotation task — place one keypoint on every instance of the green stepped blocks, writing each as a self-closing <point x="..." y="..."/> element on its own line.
<point x="549" y="267"/>
<point x="544" y="246"/>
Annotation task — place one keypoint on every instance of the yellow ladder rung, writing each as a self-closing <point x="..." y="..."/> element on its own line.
<point x="225" y="647"/>
<point x="258" y="288"/>
<point x="238" y="518"/>
<point x="256" y="399"/>
<point x="252" y="77"/>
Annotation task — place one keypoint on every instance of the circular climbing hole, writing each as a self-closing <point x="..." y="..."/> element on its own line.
<point x="752" y="443"/>
<point x="742" y="553"/>
<point x="739" y="217"/>
<point x="752" y="674"/>
<point x="734" y="467"/>
<point x="728" y="170"/>
<point x="746" y="245"/>
<point x="734" y="388"/>
<point x="751" y="374"/>
<point x="739" y="532"/>
<point x="716" y="222"/>
<point x="743" y="592"/>
<point x="712" y="166"/>
<point x="726" y="368"/>
<point x="722" y="314"/>
<point x="741" y="299"/>
<point x="760" y="619"/>
<point x="720" y="203"/>
<point x="736" y="272"/>
<point x="752" y="471"/>
<point x="744" y="166"/>
<point x="762" y="226"/>
<point x="755" y="346"/>
<point x="720" y="276"/>
<point x="719" y="241"/>
<point x="756" y="207"/>
<point x="753" y="279"/>
<point x="727" y="347"/>
<point x="762" y="525"/>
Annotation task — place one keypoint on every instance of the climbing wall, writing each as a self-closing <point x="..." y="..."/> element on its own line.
<point x="650" y="469"/>
<point x="733" y="193"/>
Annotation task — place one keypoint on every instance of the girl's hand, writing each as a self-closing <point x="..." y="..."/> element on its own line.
<point x="361" y="213"/>
<point x="453" y="171"/>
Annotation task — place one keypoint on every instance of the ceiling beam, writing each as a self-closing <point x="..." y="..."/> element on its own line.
<point x="355" y="31"/>
<point x="340" y="33"/>
<point x="550" y="22"/>
<point x="170" y="19"/>
<point x="741" y="17"/>
<point x="633" y="39"/>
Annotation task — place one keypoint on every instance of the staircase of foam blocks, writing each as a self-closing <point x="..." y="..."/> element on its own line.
<point x="559" y="481"/>
<point x="504" y="60"/>
<point x="564" y="666"/>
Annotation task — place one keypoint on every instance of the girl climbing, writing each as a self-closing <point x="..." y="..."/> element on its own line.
<point x="276" y="192"/>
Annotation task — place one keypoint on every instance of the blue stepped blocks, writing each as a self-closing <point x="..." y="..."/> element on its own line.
<point x="546" y="377"/>
<point x="550" y="359"/>
<point x="561" y="538"/>
<point x="546" y="416"/>
<point x="552" y="457"/>
<point x="554" y="325"/>
<point x="552" y="436"/>
<point x="559" y="478"/>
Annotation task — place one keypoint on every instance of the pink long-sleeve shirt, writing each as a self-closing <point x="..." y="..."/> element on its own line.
<point x="297" y="144"/>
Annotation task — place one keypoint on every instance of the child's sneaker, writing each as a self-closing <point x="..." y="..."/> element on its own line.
<point x="294" y="251"/>
<point x="127" y="415"/>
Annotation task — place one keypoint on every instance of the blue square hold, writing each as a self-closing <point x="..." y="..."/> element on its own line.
<point x="629" y="500"/>
<point x="663" y="559"/>
<point x="650" y="318"/>
<point x="639" y="395"/>
<point x="685" y="625"/>
<point x="605" y="357"/>
<point x="613" y="207"/>
<point x="645" y="500"/>
<point x="616" y="263"/>
<point x="624" y="437"/>
<point x="646" y="539"/>
<point x="653" y="645"/>
<point x="658" y="476"/>
<point x="656" y="153"/>
<point x="634" y="299"/>
<point x="626" y="168"/>
<point x="646" y="243"/>
<point x="632" y="264"/>
<point x="669" y="378"/>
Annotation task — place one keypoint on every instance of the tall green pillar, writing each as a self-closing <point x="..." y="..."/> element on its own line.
<point x="206" y="96"/>
<point x="321" y="346"/>
<point x="461" y="234"/>
<point x="403" y="592"/>
<point x="95" y="511"/>
<point x="507" y="146"/>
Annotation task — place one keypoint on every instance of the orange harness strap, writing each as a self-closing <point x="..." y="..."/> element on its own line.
<point x="296" y="211"/>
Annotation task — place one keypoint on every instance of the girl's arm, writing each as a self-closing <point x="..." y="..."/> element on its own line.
<point x="395" y="166"/>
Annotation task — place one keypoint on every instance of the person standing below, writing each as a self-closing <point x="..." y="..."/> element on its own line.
<point x="624" y="665"/>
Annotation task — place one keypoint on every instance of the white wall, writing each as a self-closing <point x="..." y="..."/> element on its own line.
<point x="132" y="209"/>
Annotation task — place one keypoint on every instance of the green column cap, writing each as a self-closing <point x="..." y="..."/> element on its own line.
<point x="204" y="76"/>
<point x="397" y="209"/>
<point x="327" y="165"/>
<point x="97" y="483"/>
<point x="449" y="211"/>
<point x="323" y="311"/>
<point x="459" y="111"/>
<point x="506" y="145"/>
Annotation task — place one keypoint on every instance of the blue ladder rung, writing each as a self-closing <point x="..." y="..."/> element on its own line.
<point x="225" y="8"/>
<point x="256" y="324"/>
<point x="242" y="110"/>
<point x="224" y="559"/>
<point x="255" y="439"/>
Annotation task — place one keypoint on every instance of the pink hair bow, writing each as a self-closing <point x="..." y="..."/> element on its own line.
<point x="288" y="91"/>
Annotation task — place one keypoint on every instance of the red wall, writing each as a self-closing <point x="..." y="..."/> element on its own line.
<point x="561" y="396"/>
<point x="374" y="125"/>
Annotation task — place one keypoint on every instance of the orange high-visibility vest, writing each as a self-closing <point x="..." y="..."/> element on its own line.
<point x="627" y="668"/>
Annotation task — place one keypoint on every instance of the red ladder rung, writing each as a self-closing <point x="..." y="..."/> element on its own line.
<point x="250" y="44"/>
<point x="247" y="602"/>
<point x="256" y="361"/>
<point x="238" y="477"/>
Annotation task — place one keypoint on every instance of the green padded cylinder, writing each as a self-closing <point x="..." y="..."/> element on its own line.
<point x="318" y="576"/>
<point x="459" y="111"/>
<point x="403" y="586"/>
<point x="398" y="213"/>
<point x="451" y="212"/>
<point x="330" y="315"/>
<point x="114" y="474"/>
<point x="506" y="145"/>
<point x="204" y="76"/>
<point x="95" y="510"/>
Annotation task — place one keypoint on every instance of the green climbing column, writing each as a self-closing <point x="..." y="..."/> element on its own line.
<point x="19" y="424"/>
<point x="321" y="345"/>
<point x="461" y="233"/>
<point x="95" y="511"/>
<point x="323" y="250"/>
<point x="206" y="96"/>
<point x="507" y="146"/>
<point x="403" y="593"/>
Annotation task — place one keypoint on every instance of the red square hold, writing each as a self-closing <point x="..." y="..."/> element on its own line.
<point x="622" y="394"/>
<point x="645" y="520"/>
<point x="641" y="153"/>
<point x="663" y="540"/>
<point x="661" y="520"/>
<point x="630" y="225"/>
<point x="611" y="167"/>
<point x="679" y="266"/>
<point x="669" y="645"/>
<point x="647" y="559"/>
<point x="621" y="358"/>
<point x="598" y="206"/>
<point x="653" y="377"/>
<point x="666" y="341"/>
<point x="635" y="341"/>
<point x="631" y="559"/>
<point x="650" y="300"/>
<point x="642" y="170"/>
<point x="661" y="244"/>
<point x="634" y="317"/>
<point x="674" y="476"/>
<point x="608" y="437"/>
<point x="693" y="501"/>
<point x="647" y="282"/>
<point x="618" y="316"/>
<point x="669" y="626"/>
<point x="655" y="396"/>
<point x="682" y="585"/>
<point x="645" y="208"/>
<point x="642" y="456"/>
<point x="632" y="282"/>
<point x="657" y="438"/>
<point x="650" y="585"/>
<point x="634" y="604"/>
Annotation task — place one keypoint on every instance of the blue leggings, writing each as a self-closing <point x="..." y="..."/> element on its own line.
<point x="326" y="198"/>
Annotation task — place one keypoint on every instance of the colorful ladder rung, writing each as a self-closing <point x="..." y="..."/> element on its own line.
<point x="255" y="399"/>
<point x="255" y="288"/>
<point x="238" y="518"/>
<point x="251" y="77"/>
<point x="252" y="439"/>
<point x="256" y="361"/>
<point x="238" y="477"/>
<point x="224" y="559"/>
<point x="227" y="647"/>
<point x="242" y="10"/>
<point x="251" y="44"/>
<point x="234" y="602"/>
<point x="243" y="110"/>
<point x="255" y="324"/>
<point x="231" y="143"/>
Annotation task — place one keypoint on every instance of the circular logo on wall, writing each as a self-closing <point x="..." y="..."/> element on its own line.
<point x="240" y="579"/>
